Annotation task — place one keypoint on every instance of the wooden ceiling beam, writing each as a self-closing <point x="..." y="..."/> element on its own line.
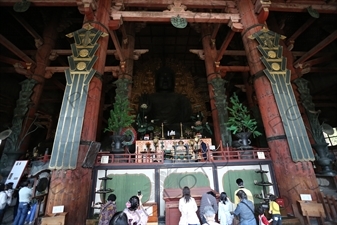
<point x="10" y="46"/>
<point x="211" y="4"/>
<point x="58" y="84"/>
<point x="290" y="41"/>
<point x="50" y="3"/>
<point x="299" y="62"/>
<point x="61" y="69"/>
<point x="113" y="52"/>
<point x="296" y="7"/>
<point x="38" y="39"/>
<point x="323" y="70"/>
<point x="58" y="69"/>
<point x="11" y="61"/>
<point x="324" y="59"/>
<point x="202" y="4"/>
<point x="191" y="17"/>
<point x="224" y="45"/>
<point x="117" y="45"/>
<point x="274" y="6"/>
<point x="227" y="69"/>
<point x="66" y="52"/>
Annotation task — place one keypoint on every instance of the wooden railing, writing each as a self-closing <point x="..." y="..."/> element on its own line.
<point x="221" y="154"/>
<point x="330" y="206"/>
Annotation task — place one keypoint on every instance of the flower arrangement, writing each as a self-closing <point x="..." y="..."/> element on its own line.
<point x="188" y="132"/>
<point x="148" y="144"/>
<point x="143" y="125"/>
<point x="199" y="126"/>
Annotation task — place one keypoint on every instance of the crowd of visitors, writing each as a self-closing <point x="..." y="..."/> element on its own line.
<point x="211" y="210"/>
<point x="224" y="211"/>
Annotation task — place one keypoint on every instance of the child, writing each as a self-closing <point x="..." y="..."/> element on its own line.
<point x="274" y="209"/>
<point x="262" y="218"/>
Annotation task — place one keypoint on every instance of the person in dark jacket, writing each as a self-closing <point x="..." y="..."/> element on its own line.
<point x="207" y="199"/>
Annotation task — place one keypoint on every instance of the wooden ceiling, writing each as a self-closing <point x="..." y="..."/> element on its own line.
<point x="312" y="42"/>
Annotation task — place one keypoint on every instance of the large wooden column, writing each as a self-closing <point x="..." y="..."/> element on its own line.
<point x="210" y="58"/>
<point x="72" y="187"/>
<point x="293" y="178"/>
<point x="42" y="61"/>
<point x="128" y="48"/>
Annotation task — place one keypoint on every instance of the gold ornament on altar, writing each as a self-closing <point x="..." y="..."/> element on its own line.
<point x="155" y="141"/>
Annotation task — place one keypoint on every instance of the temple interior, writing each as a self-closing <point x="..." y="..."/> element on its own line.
<point x="183" y="61"/>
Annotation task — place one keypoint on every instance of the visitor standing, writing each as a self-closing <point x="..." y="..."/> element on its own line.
<point x="249" y="194"/>
<point x="203" y="149"/>
<point x="25" y="196"/>
<point x="207" y="199"/>
<point x="210" y="216"/>
<point x="225" y="209"/>
<point x="3" y="201"/>
<point x="274" y="209"/>
<point x="188" y="209"/>
<point x="245" y="210"/>
<point x="135" y="211"/>
<point x="107" y="210"/>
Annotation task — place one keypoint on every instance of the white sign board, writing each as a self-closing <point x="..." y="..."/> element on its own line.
<point x="58" y="209"/>
<point x="16" y="172"/>
<point x="105" y="159"/>
<point x="306" y="197"/>
<point x="260" y="155"/>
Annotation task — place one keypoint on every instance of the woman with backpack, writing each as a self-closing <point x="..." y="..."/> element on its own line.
<point x="245" y="210"/>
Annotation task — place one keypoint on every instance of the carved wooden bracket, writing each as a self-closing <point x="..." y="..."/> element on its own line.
<point x="262" y="9"/>
<point x="261" y="4"/>
<point x="198" y="52"/>
<point x="87" y="8"/>
<point x="138" y="53"/>
<point x="20" y="69"/>
<point x="176" y="7"/>
<point x="235" y="25"/>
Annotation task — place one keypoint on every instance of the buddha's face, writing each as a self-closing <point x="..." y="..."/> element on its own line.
<point x="165" y="81"/>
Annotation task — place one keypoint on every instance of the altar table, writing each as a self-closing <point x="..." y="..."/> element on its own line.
<point x="165" y="144"/>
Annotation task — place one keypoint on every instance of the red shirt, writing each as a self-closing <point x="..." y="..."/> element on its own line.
<point x="263" y="220"/>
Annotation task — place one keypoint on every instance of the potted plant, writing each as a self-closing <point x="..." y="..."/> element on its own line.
<point x="240" y="122"/>
<point x="120" y="121"/>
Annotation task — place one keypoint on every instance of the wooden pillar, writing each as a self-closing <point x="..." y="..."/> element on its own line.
<point x="72" y="188"/>
<point x="210" y="56"/>
<point x="128" y="51"/>
<point x="42" y="61"/>
<point x="293" y="178"/>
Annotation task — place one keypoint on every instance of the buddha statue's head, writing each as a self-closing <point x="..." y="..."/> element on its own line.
<point x="165" y="80"/>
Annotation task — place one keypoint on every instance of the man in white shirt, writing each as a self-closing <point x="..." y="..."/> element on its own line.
<point x="25" y="195"/>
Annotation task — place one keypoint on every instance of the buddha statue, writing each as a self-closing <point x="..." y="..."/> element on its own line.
<point x="165" y="106"/>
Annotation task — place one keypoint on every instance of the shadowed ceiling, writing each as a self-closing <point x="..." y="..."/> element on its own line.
<point x="20" y="30"/>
